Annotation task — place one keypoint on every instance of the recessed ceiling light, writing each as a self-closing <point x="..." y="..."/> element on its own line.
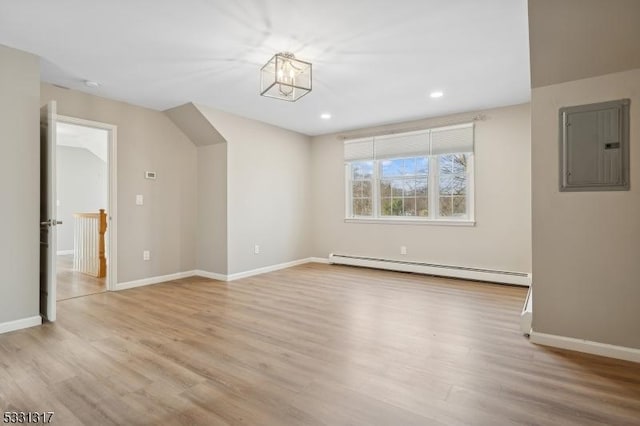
<point x="325" y="116"/>
<point x="92" y="84"/>
<point x="437" y="94"/>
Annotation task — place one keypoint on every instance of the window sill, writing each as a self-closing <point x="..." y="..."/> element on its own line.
<point x="431" y="222"/>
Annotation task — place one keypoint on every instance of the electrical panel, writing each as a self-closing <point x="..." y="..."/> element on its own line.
<point x="594" y="147"/>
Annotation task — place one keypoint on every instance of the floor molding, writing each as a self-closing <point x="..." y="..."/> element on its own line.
<point x="265" y="269"/>
<point x="587" y="346"/>
<point x="258" y="271"/>
<point x="210" y="275"/>
<point x="8" y="326"/>
<point x="221" y="277"/>
<point x="64" y="252"/>
<point x="154" y="280"/>
<point x="214" y="275"/>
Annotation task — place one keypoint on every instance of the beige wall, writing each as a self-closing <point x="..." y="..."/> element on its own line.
<point x="147" y="140"/>
<point x="194" y="124"/>
<point x="586" y="253"/>
<point x="19" y="184"/>
<point x="501" y="238"/>
<point x="268" y="191"/>
<point x="212" y="208"/>
<point x="574" y="39"/>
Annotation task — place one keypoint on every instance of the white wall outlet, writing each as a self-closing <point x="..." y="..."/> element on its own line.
<point x="256" y="249"/>
<point x="139" y="200"/>
<point x="146" y="255"/>
<point x="403" y="249"/>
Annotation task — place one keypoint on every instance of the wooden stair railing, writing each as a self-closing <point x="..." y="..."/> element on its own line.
<point x="102" y="271"/>
<point x="89" y="243"/>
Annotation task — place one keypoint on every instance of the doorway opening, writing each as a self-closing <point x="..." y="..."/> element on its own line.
<point x="84" y="202"/>
<point x="82" y="187"/>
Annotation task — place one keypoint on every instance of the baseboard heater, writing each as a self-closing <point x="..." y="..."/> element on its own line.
<point x="478" y="274"/>
<point x="526" y="318"/>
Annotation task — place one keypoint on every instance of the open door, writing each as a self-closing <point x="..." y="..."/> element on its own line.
<point x="48" y="221"/>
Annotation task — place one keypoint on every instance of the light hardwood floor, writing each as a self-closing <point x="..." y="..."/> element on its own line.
<point x="71" y="283"/>
<point x="314" y="344"/>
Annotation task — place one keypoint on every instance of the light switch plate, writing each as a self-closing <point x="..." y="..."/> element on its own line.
<point x="139" y="200"/>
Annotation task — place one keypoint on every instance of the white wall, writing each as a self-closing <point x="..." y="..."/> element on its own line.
<point x="501" y="238"/>
<point x="82" y="186"/>
<point x="212" y="208"/>
<point x="269" y="199"/>
<point x="586" y="265"/>
<point x="19" y="184"/>
<point x="147" y="140"/>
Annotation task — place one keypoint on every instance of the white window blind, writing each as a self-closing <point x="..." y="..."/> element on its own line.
<point x="452" y="139"/>
<point x="358" y="150"/>
<point x="436" y="141"/>
<point x="402" y="145"/>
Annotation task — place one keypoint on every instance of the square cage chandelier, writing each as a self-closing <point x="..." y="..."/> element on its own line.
<point x="285" y="77"/>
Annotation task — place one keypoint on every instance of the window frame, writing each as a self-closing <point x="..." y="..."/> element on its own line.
<point x="433" y="195"/>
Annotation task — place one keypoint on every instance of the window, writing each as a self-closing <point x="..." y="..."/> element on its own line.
<point x="453" y="182"/>
<point x="362" y="187"/>
<point x="424" y="176"/>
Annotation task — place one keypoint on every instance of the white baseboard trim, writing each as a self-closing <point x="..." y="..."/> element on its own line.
<point x="64" y="252"/>
<point x="154" y="280"/>
<point x="217" y="276"/>
<point x="214" y="275"/>
<point x="258" y="271"/>
<point x="265" y="269"/>
<point x="210" y="275"/>
<point x="587" y="346"/>
<point x="8" y="326"/>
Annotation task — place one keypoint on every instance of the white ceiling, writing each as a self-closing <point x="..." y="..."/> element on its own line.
<point x="374" y="61"/>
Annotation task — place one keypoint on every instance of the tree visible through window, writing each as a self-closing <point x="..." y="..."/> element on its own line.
<point x="453" y="184"/>
<point x="362" y="188"/>
<point x="403" y="187"/>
